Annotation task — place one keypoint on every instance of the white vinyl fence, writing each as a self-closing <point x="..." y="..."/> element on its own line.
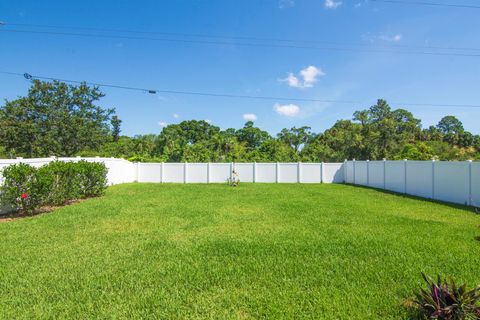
<point x="123" y="171"/>
<point x="456" y="182"/>
<point x="247" y="172"/>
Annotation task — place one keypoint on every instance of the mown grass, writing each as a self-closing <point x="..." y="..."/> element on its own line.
<point x="216" y="252"/>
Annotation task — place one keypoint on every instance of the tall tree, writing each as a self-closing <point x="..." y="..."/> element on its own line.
<point x="54" y="119"/>
<point x="252" y="136"/>
<point x="115" y="122"/>
<point x="296" y="137"/>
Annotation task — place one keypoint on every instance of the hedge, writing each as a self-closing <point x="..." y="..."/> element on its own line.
<point x="27" y="188"/>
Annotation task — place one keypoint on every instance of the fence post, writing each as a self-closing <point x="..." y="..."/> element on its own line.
<point x="136" y="171"/>
<point x="322" y="170"/>
<point x="254" y="172"/>
<point x="433" y="179"/>
<point x="231" y="171"/>
<point x="470" y="195"/>
<point x="162" y="168"/>
<point x="277" y="172"/>
<point x="368" y="172"/>
<point x="384" y="174"/>
<point x="354" y="169"/>
<point x="405" y="176"/>
<point x="208" y="172"/>
<point x="299" y="172"/>
<point x="185" y="164"/>
<point x="345" y="171"/>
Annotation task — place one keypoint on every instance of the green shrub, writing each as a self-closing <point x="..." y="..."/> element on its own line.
<point x="93" y="178"/>
<point x="447" y="301"/>
<point x="56" y="183"/>
<point x="63" y="182"/>
<point x="23" y="188"/>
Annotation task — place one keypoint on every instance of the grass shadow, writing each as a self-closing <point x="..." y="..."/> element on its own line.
<point x="409" y="196"/>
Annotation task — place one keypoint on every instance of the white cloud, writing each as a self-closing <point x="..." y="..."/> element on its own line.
<point x="162" y="124"/>
<point x="176" y="116"/>
<point x="331" y="4"/>
<point x="309" y="75"/>
<point x="282" y="4"/>
<point x="293" y="81"/>
<point x="287" y="110"/>
<point x="249" y="117"/>
<point x="391" y="38"/>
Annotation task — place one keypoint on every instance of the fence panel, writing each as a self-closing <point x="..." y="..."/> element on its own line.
<point x="174" y="172"/>
<point x="360" y="171"/>
<point x="395" y="176"/>
<point x="333" y="173"/>
<point x="197" y="173"/>
<point x="244" y="171"/>
<point x="376" y="174"/>
<point x="349" y="176"/>
<point x="266" y="172"/>
<point x="149" y="172"/>
<point x="452" y="182"/>
<point x="220" y="172"/>
<point x="419" y="178"/>
<point x="288" y="172"/>
<point x="310" y="172"/>
<point x="475" y="184"/>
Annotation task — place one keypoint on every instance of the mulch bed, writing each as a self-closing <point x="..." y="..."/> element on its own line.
<point x="16" y="215"/>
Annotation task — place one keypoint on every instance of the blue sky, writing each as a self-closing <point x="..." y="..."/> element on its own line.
<point x="243" y="70"/>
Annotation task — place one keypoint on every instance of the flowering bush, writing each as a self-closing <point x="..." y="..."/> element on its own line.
<point x="23" y="188"/>
<point x="56" y="183"/>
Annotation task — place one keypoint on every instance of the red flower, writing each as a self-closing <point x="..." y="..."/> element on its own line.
<point x="24" y="195"/>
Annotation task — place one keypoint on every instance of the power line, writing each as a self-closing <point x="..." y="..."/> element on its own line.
<point x="202" y="35"/>
<point x="436" y="4"/>
<point x="225" y="95"/>
<point x="249" y="44"/>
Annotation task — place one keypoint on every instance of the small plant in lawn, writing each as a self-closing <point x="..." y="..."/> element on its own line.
<point x="23" y="188"/>
<point x="233" y="181"/>
<point x="446" y="301"/>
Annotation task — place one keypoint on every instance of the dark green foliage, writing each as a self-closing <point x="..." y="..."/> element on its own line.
<point x="444" y="300"/>
<point x="55" y="119"/>
<point x="27" y="188"/>
<point x="58" y="119"/>
<point x="93" y="178"/>
<point x="22" y="188"/>
<point x="63" y="182"/>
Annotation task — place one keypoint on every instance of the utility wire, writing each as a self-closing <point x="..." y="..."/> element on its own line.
<point x="225" y="95"/>
<point x="199" y="35"/>
<point x="249" y="44"/>
<point x="436" y="4"/>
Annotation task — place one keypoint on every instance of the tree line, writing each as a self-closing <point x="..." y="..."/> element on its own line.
<point x="58" y="119"/>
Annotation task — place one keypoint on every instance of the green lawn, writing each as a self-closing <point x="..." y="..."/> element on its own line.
<point x="216" y="252"/>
